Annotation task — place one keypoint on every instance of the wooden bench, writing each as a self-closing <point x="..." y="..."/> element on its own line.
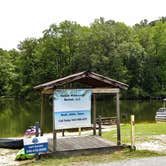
<point x="107" y="120"/>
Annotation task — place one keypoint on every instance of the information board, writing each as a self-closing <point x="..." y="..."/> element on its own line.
<point x="72" y="108"/>
<point x="35" y="145"/>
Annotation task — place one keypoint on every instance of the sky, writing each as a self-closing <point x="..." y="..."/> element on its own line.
<point x="21" y="19"/>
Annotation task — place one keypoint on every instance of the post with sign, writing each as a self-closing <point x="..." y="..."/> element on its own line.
<point x="71" y="109"/>
<point x="35" y="145"/>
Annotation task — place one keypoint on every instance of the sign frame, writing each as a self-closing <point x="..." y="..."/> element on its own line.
<point x="73" y="110"/>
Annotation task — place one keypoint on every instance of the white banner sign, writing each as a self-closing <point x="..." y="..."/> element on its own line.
<point x="72" y="108"/>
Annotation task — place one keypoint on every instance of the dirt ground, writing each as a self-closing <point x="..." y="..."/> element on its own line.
<point x="7" y="157"/>
<point x="155" y="143"/>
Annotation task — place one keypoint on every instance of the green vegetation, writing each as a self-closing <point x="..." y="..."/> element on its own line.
<point x="134" y="55"/>
<point x="22" y="156"/>
<point x="142" y="132"/>
<point x="95" y="158"/>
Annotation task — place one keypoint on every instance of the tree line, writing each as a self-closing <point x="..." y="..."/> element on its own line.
<point x="133" y="55"/>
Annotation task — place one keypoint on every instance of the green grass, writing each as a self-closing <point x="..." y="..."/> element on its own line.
<point x="142" y="132"/>
<point x="95" y="158"/>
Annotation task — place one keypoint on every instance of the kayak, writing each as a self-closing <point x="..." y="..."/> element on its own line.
<point x="11" y="143"/>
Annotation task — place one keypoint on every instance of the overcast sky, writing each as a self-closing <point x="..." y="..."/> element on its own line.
<point x="20" y="19"/>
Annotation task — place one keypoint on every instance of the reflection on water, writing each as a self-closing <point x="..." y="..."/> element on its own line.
<point x="16" y="117"/>
<point x="144" y="111"/>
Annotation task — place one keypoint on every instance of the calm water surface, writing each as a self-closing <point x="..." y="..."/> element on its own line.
<point x="16" y="116"/>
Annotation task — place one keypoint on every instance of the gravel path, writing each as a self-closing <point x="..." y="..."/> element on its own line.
<point x="152" y="161"/>
<point x="156" y="143"/>
<point x="7" y="157"/>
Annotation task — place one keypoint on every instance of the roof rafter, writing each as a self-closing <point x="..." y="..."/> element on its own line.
<point x="93" y="79"/>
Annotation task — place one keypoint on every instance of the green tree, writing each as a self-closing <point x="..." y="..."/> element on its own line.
<point x="6" y="73"/>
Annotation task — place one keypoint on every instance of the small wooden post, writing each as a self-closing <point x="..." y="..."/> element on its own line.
<point x="118" y="119"/>
<point x="42" y="120"/>
<point x="63" y="132"/>
<point x="100" y="132"/>
<point x="94" y="114"/>
<point x="132" y="132"/>
<point x="36" y="135"/>
<point x="37" y="129"/>
<point x="54" y="130"/>
<point x="79" y="131"/>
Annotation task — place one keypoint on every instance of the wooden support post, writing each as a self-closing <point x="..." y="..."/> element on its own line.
<point x="132" y="133"/>
<point x="54" y="140"/>
<point x="118" y="119"/>
<point x="94" y="114"/>
<point x="42" y="120"/>
<point x="100" y="132"/>
<point x="63" y="132"/>
<point x="36" y="135"/>
<point x="79" y="131"/>
<point x="37" y="129"/>
<point x="54" y="130"/>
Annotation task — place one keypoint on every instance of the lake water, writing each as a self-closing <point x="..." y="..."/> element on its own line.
<point x="17" y="116"/>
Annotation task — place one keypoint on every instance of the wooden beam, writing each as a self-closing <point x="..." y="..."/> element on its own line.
<point x="42" y="118"/>
<point x="118" y="119"/>
<point x="47" y="91"/>
<point x="94" y="114"/>
<point x="62" y="81"/>
<point x="108" y="80"/>
<point x="94" y="90"/>
<point x="105" y="90"/>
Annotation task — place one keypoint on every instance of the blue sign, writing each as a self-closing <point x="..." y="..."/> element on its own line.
<point x="35" y="145"/>
<point x="72" y="108"/>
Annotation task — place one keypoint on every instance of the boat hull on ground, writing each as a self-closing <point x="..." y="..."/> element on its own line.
<point x="11" y="143"/>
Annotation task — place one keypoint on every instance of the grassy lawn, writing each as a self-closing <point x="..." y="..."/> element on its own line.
<point x="142" y="132"/>
<point x="96" y="158"/>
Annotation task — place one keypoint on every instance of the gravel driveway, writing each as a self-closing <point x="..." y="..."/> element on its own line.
<point x="152" y="161"/>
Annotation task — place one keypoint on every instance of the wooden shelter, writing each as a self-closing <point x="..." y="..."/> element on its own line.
<point x="96" y="82"/>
